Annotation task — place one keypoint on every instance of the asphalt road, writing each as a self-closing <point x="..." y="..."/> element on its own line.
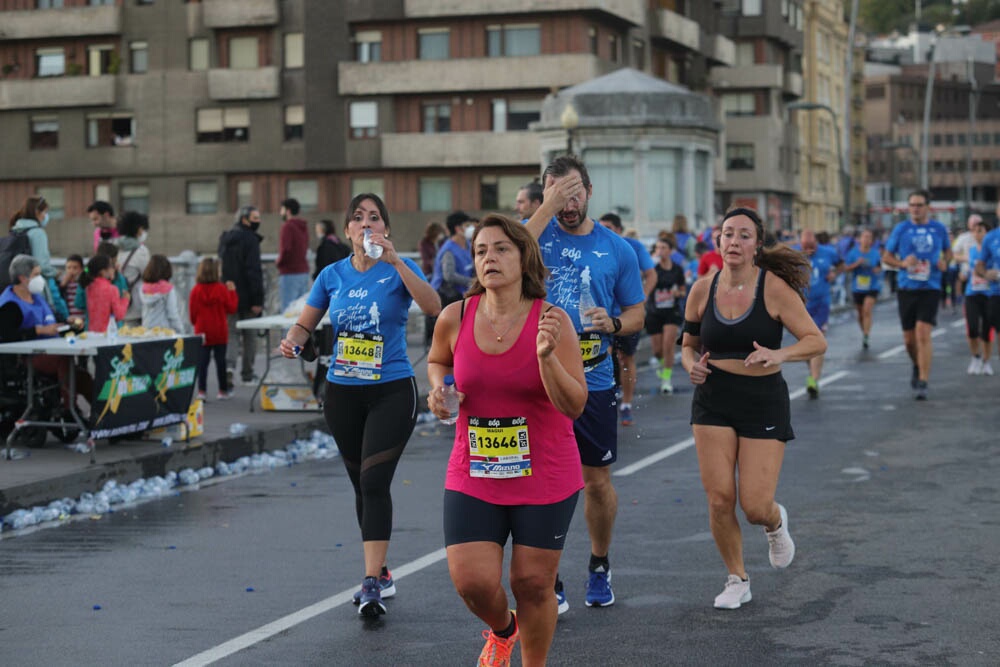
<point x="893" y="505"/>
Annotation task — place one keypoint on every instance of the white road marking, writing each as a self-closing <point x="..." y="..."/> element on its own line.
<point x="689" y="442"/>
<point x="264" y="632"/>
<point x="892" y="351"/>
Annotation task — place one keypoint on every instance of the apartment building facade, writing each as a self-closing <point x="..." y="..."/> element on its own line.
<point x="189" y="109"/>
<point x="762" y="158"/>
<point x="963" y="148"/>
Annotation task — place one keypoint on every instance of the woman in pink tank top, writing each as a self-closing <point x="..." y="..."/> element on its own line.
<point x="515" y="467"/>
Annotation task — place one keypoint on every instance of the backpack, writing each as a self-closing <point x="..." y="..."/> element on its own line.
<point x="14" y="244"/>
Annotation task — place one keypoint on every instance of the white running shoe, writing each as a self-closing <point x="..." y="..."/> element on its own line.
<point x="736" y="593"/>
<point x="781" y="548"/>
<point x="666" y="387"/>
<point x="985" y="368"/>
<point x="975" y="366"/>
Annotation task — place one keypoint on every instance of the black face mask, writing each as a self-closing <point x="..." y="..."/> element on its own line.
<point x="254" y="226"/>
<point x="106" y="233"/>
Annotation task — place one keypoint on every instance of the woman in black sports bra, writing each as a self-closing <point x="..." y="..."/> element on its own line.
<point x="732" y="352"/>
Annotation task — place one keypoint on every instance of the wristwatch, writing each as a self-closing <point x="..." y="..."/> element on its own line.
<point x="617" y="323"/>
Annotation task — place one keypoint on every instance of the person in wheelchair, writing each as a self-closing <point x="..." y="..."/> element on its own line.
<point x="25" y="315"/>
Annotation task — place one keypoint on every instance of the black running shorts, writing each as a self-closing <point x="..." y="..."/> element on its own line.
<point x="468" y="519"/>
<point x="754" y="407"/>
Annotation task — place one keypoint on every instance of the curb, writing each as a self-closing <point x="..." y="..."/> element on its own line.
<point x="193" y="455"/>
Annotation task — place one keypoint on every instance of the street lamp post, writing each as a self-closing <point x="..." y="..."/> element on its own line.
<point x="845" y="175"/>
<point x="570" y="120"/>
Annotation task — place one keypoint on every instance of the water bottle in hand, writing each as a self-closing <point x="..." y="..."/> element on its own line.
<point x="371" y="249"/>
<point x="450" y="399"/>
<point x="586" y="298"/>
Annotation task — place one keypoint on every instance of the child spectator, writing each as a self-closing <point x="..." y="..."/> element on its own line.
<point x="208" y="306"/>
<point x="159" y="298"/>
<point x="104" y="300"/>
<point x="109" y="250"/>
<point x="69" y="285"/>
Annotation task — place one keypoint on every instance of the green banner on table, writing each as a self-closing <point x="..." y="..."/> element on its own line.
<point x="143" y="384"/>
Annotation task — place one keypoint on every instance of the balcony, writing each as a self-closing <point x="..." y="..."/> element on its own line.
<point x="413" y="150"/>
<point x="748" y="76"/>
<point x="244" y="84"/>
<point x="675" y="28"/>
<point x="72" y="22"/>
<point x="633" y="11"/>
<point x="240" y="13"/>
<point x="57" y="92"/>
<point x="438" y="76"/>
<point x="718" y="49"/>
<point x="793" y="84"/>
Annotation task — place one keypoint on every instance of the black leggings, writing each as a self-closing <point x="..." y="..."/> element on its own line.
<point x="207" y="352"/>
<point x="372" y="424"/>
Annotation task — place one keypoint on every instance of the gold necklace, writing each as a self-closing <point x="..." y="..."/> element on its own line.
<point x="505" y="331"/>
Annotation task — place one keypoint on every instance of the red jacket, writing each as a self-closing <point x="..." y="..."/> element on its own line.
<point x="293" y="244"/>
<point x="103" y="301"/>
<point x="208" y="305"/>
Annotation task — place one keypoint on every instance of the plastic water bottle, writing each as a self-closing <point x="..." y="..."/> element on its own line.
<point x="372" y="250"/>
<point x="586" y="298"/>
<point x="450" y="399"/>
<point x="112" y="331"/>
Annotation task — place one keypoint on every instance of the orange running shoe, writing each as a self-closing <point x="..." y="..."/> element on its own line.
<point x="497" y="651"/>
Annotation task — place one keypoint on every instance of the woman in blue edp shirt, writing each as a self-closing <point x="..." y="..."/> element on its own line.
<point x="371" y="396"/>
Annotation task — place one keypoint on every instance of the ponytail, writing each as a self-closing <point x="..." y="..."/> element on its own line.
<point x="788" y="264"/>
<point x="93" y="269"/>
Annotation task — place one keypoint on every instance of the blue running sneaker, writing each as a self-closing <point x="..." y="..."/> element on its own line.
<point x="626" y="412"/>
<point x="370" y="604"/>
<point x="387" y="588"/>
<point x="561" y="596"/>
<point x="599" y="593"/>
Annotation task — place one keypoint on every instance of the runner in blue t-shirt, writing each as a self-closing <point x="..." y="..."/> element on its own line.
<point x="988" y="266"/>
<point x="625" y="346"/>
<point x="371" y="396"/>
<point x="824" y="265"/>
<point x="978" y="292"/>
<point x="865" y="266"/>
<point x="579" y="252"/>
<point x="920" y="249"/>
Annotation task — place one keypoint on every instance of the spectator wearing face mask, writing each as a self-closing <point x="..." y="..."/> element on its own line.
<point x="133" y="256"/>
<point x="453" y="266"/>
<point x="32" y="218"/>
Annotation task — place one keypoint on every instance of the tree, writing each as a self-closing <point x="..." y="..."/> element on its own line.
<point x="981" y="11"/>
<point x="882" y="16"/>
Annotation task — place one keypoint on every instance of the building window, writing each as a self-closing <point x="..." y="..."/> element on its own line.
<point x="223" y="125"/>
<point x="198" y="54"/>
<point x="664" y="168"/>
<point x="375" y="186"/>
<point x="135" y="197"/>
<point x="44" y="132"/>
<point x="497" y="193"/>
<point x="592" y="36"/>
<point x="751" y="7"/>
<point x="520" y="113"/>
<point x="202" y="197"/>
<point x="295" y="120"/>
<point x="50" y="62"/>
<point x="745" y="53"/>
<point x="368" y="46"/>
<point x="295" y="57"/>
<point x="513" y="40"/>
<point x="611" y="172"/>
<point x="110" y="129"/>
<point x="49" y="4"/>
<point x="638" y="54"/>
<point x="433" y="44"/>
<point x="949" y="140"/>
<point x="97" y="3"/>
<point x="306" y="192"/>
<point x="739" y="156"/>
<point x="435" y="194"/>
<point x="54" y="198"/>
<point x="244" y="193"/>
<point x="102" y="192"/>
<point x="138" y="57"/>
<point x="243" y="53"/>
<point x="364" y="120"/>
<point x="101" y="59"/>
<point x="144" y="2"/>
<point x="437" y="118"/>
<point x="739" y="104"/>
<point x="615" y="48"/>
